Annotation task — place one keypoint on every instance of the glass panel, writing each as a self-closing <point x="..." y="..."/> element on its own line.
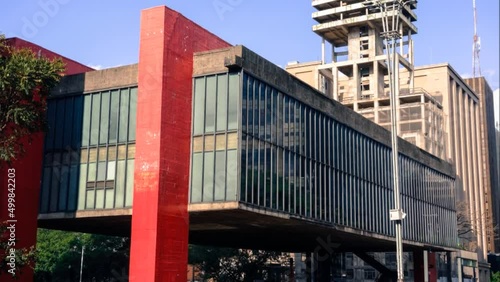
<point x="197" y="178"/>
<point x="63" y="187"/>
<point x="73" y="187"/>
<point x="250" y="104"/>
<point x="210" y="104"/>
<point x="120" y="184"/>
<point x="270" y="110"/>
<point x="234" y="93"/>
<point x="59" y="124"/>
<point x="131" y="151"/>
<point x="122" y="152"/>
<point x="68" y="122"/>
<point x="220" y="142"/>
<point x="244" y="105"/>
<point x="123" y="121"/>
<point x="232" y="176"/>
<point x="130" y="183"/>
<point x="44" y="207"/>
<point x="262" y="109"/>
<point x="109" y="198"/>
<point x="101" y="171"/>
<point x="275" y="116"/>
<point x="92" y="172"/>
<point x="243" y="169"/>
<point x="92" y="155"/>
<point x="110" y="174"/>
<point x="232" y="141"/>
<point x="209" y="143"/>
<point x="111" y="152"/>
<point x="133" y="114"/>
<point x="221" y="102"/>
<point x="254" y="86"/>
<point x="208" y="178"/>
<point x="54" y="187"/>
<point x="94" y="127"/>
<point x="248" y="170"/>
<point x="113" y="116"/>
<point x="103" y="152"/>
<point x="103" y="134"/>
<point x="99" y="199"/>
<point x="199" y="105"/>
<point x="220" y="175"/>
<point x="90" y="199"/>
<point x="82" y="187"/>
<point x="198" y="144"/>
<point x="86" y="119"/>
<point x="51" y="121"/>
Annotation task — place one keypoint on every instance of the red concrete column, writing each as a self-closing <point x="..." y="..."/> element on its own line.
<point x="160" y="221"/>
<point x="418" y="265"/>
<point x="433" y="271"/>
<point x="26" y="174"/>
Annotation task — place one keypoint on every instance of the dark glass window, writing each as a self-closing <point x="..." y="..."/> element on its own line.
<point x="81" y="151"/>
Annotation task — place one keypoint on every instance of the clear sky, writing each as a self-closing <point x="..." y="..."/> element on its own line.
<point x="105" y="33"/>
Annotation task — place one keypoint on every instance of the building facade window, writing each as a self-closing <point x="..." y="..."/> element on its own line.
<point x="90" y="151"/>
<point x="297" y="160"/>
<point x="215" y="138"/>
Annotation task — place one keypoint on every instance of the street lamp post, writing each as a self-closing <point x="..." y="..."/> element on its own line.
<point x="390" y="25"/>
<point x="81" y="262"/>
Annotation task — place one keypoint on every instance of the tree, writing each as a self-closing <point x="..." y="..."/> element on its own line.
<point x="225" y="264"/>
<point x="495" y="277"/>
<point x="25" y="82"/>
<point x="24" y="256"/>
<point x="467" y="226"/>
<point x="59" y="253"/>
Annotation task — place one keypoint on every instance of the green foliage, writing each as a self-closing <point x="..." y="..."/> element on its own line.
<point x="59" y="253"/>
<point x="106" y="258"/>
<point x="25" y="82"/>
<point x="24" y="256"/>
<point x="495" y="277"/>
<point x="224" y="264"/>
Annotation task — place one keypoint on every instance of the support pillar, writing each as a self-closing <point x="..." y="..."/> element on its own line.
<point x="449" y="263"/>
<point x="322" y="266"/>
<point x="419" y="266"/>
<point x="309" y="267"/>
<point x="24" y="174"/>
<point x="433" y="271"/>
<point x="160" y="220"/>
<point x="335" y="83"/>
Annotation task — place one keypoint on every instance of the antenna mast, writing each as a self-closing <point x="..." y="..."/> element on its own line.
<point x="476" y="46"/>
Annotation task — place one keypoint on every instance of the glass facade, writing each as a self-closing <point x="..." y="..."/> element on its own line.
<point x="215" y="138"/>
<point x="89" y="151"/>
<point x="297" y="160"/>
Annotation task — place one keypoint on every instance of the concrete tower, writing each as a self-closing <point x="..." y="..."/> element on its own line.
<point x="357" y="74"/>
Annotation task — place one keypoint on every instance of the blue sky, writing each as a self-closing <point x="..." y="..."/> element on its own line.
<point x="105" y="33"/>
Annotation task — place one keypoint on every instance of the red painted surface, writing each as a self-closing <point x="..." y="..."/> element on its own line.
<point x="72" y="67"/>
<point x="27" y="190"/>
<point x="28" y="174"/>
<point x="160" y="221"/>
<point x="433" y="273"/>
<point x="418" y="262"/>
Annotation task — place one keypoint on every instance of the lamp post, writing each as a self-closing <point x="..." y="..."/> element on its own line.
<point x="81" y="262"/>
<point x="390" y="32"/>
